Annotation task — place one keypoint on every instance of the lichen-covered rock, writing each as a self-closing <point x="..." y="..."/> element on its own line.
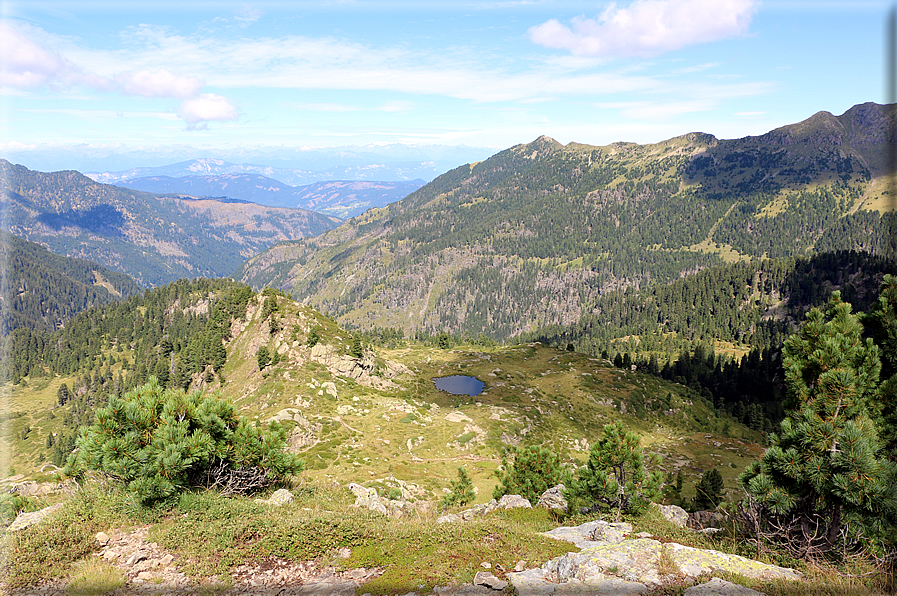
<point x="367" y="498"/>
<point x="543" y="582"/>
<point x="592" y="533"/>
<point x="675" y="514"/>
<point x="611" y="532"/>
<point x="720" y="587"/>
<point x="648" y="561"/>
<point x="553" y="499"/>
<point x="449" y="518"/>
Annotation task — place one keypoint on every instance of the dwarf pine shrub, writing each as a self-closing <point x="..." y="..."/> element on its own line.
<point x="158" y="442"/>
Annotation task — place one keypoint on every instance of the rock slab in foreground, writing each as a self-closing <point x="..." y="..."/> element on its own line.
<point x="634" y="567"/>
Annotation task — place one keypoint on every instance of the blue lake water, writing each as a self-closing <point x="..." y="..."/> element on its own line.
<point x="460" y="385"/>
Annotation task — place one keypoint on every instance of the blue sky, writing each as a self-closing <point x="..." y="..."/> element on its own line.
<point x="216" y="74"/>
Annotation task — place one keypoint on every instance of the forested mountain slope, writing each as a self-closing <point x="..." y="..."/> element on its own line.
<point x="44" y="290"/>
<point x="154" y="239"/>
<point x="532" y="235"/>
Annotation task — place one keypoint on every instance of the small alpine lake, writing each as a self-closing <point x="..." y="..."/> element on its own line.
<point x="460" y="385"/>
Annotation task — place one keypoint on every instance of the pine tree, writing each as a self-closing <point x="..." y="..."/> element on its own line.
<point x="709" y="490"/>
<point x="822" y="482"/>
<point x="461" y="491"/>
<point x="881" y="323"/>
<point x="615" y="475"/>
<point x="534" y="470"/>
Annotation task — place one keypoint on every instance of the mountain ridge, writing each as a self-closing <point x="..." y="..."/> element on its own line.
<point x="541" y="229"/>
<point x="153" y="238"/>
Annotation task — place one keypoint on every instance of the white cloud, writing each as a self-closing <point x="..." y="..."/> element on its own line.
<point x="208" y="107"/>
<point x="158" y="83"/>
<point x="25" y="64"/>
<point x="647" y="27"/>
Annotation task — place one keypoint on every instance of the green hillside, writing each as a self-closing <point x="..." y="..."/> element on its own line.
<point x="154" y="239"/>
<point x="357" y="413"/>
<point x="535" y="234"/>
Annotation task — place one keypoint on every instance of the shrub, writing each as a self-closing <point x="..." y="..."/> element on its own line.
<point x="461" y="491"/>
<point x="615" y="475"/>
<point x="158" y="442"/>
<point x="534" y="470"/>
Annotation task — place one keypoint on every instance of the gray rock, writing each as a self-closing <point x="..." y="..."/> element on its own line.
<point x="24" y="520"/>
<point x="600" y="586"/>
<point x="720" y="587"/>
<point x="360" y="491"/>
<point x="280" y="497"/>
<point x="514" y="502"/>
<point x="612" y="533"/>
<point x="533" y="582"/>
<point x="581" y="535"/>
<point x="447" y="519"/>
<point x="675" y="514"/>
<point x="553" y="499"/>
<point x="639" y="560"/>
<point x="484" y="578"/>
<point x="700" y="520"/>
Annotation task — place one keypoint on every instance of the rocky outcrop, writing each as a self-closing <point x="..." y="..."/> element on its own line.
<point x="611" y="564"/>
<point x="710" y="519"/>
<point x="484" y="578"/>
<point x="720" y="587"/>
<point x="594" y="533"/>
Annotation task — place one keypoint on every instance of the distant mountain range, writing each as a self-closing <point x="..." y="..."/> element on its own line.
<point x="534" y="235"/>
<point x="291" y="165"/>
<point x="397" y="164"/>
<point x="153" y="238"/>
<point x="340" y="198"/>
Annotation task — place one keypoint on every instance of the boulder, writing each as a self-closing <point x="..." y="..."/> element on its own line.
<point x="593" y="533"/>
<point x="700" y="520"/>
<point x="720" y="587"/>
<point x="553" y="499"/>
<point x="674" y="514"/>
<point x="280" y="497"/>
<point x="514" y="502"/>
<point x="23" y="520"/>
<point x="369" y="499"/>
<point x="611" y="533"/>
<point x="648" y="561"/>
<point x="484" y="578"/>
